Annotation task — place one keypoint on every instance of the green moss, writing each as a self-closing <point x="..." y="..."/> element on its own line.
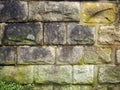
<point x="15" y="86"/>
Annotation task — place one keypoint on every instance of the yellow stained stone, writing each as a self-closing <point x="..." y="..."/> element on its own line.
<point x="103" y="13"/>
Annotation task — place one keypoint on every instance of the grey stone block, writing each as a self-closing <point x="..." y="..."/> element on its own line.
<point x="69" y="55"/>
<point x="54" y="33"/>
<point x="36" y="55"/>
<point x="77" y="34"/>
<point x="7" y="55"/>
<point x="13" y="11"/>
<point x="23" y="34"/>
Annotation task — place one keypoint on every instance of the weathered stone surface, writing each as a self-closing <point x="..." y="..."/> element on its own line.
<point x="1" y="32"/>
<point x="77" y="34"/>
<point x="69" y="55"/>
<point x="36" y="55"/>
<point x="78" y="87"/>
<point x="114" y="87"/>
<point x="13" y="11"/>
<point x="54" y="33"/>
<point x="109" y="74"/>
<point x="63" y="87"/>
<point x="97" y="55"/>
<point x="7" y="55"/>
<point x="43" y="87"/>
<point x="19" y="74"/>
<point x="109" y="34"/>
<point x="98" y="12"/>
<point x="21" y="34"/>
<point x="46" y="74"/>
<point x="119" y="11"/>
<point x="118" y="56"/>
<point x="54" y="11"/>
<point x="83" y="74"/>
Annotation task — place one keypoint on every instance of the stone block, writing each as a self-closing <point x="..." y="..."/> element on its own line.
<point x="7" y="55"/>
<point x="18" y="74"/>
<point x="45" y="74"/>
<point x="109" y="34"/>
<point x="118" y="56"/>
<point x="1" y="32"/>
<point x="98" y="12"/>
<point x="109" y="74"/>
<point x="77" y="34"/>
<point x="83" y="74"/>
<point x="54" y="33"/>
<point x="63" y="87"/>
<point x="23" y="34"/>
<point x="43" y="87"/>
<point x="54" y="11"/>
<point x="69" y="55"/>
<point x="36" y="55"/>
<point x="13" y="11"/>
<point x="97" y="55"/>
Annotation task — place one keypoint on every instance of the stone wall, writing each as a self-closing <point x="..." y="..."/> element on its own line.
<point x="61" y="45"/>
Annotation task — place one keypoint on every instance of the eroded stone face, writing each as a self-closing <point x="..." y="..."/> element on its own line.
<point x="54" y="33"/>
<point x="118" y="56"/>
<point x="43" y="87"/>
<point x="54" y="11"/>
<point x="7" y="55"/>
<point x="83" y="74"/>
<point x="97" y="55"/>
<point x="1" y="32"/>
<point x="13" y="11"/>
<point x="18" y="74"/>
<point x="23" y="33"/>
<point x="36" y="55"/>
<point x="109" y="74"/>
<point x="69" y="55"/>
<point x="109" y="34"/>
<point x="77" y="34"/>
<point x="45" y="74"/>
<point x="98" y="12"/>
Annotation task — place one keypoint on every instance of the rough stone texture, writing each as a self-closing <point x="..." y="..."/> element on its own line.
<point x="109" y="74"/>
<point x="46" y="74"/>
<point x="64" y="87"/>
<point x="43" y="87"/>
<point x="109" y="34"/>
<point x="23" y="33"/>
<point x="119" y="11"/>
<point x="83" y="74"/>
<point x="1" y="32"/>
<point x="13" y="11"/>
<point x="118" y="56"/>
<point x="18" y="74"/>
<point x="97" y="55"/>
<point x="54" y="11"/>
<point x="54" y="33"/>
<point x="36" y="55"/>
<point x="98" y="12"/>
<point x="78" y="34"/>
<point x="78" y="87"/>
<point x="69" y="55"/>
<point x="7" y="55"/>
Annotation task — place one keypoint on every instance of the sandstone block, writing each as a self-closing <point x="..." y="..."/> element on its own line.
<point x="98" y="12"/>
<point x="109" y="34"/>
<point x="54" y="33"/>
<point x="36" y="55"/>
<point x="45" y="74"/>
<point x="97" y="55"/>
<point x="118" y="56"/>
<point x="18" y="74"/>
<point x="7" y="55"/>
<point x="69" y="55"/>
<point x="23" y="34"/>
<point x="54" y="11"/>
<point x="13" y="11"/>
<point x="109" y="74"/>
<point x="77" y="34"/>
<point x="83" y="74"/>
